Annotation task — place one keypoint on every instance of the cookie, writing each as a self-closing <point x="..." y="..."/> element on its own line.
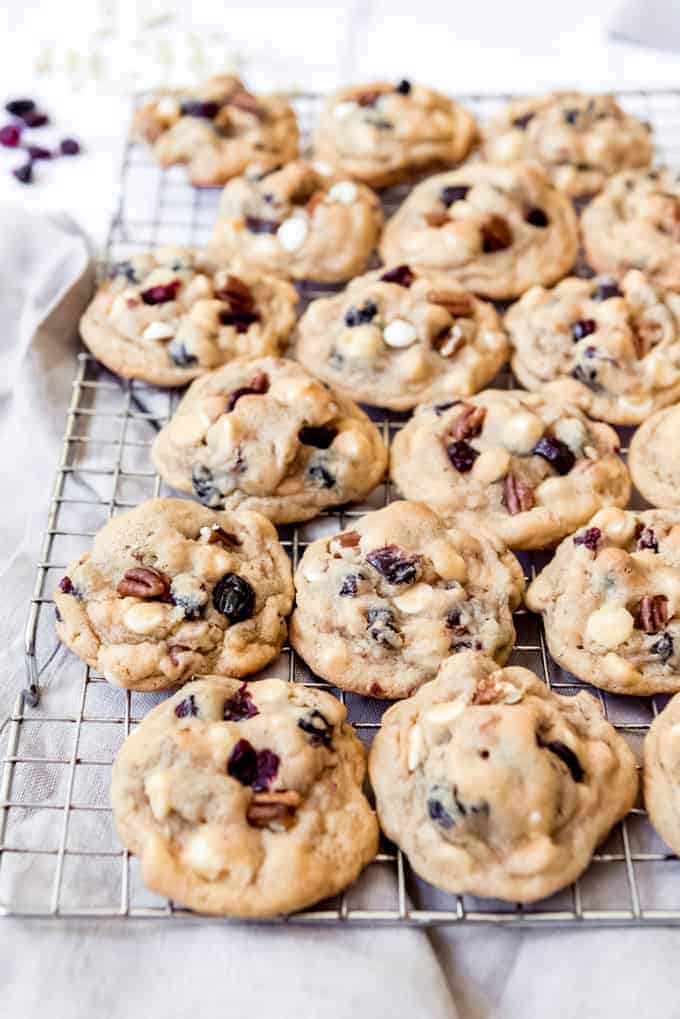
<point x="530" y="469"/>
<point x="653" y="458"/>
<point x="661" y="773"/>
<point x="493" y="785"/>
<point x="496" y="230"/>
<point x="245" y="800"/>
<point x="380" y="606"/>
<point x="395" y="337"/>
<point x="172" y="588"/>
<point x="217" y="129"/>
<point x="610" y="600"/>
<point x="580" y="139"/>
<point x="171" y="315"/>
<point x="384" y="133"/>
<point x="297" y="224"/>
<point x="634" y="223"/>
<point x="265" y="435"/>
<point x="612" y="349"/>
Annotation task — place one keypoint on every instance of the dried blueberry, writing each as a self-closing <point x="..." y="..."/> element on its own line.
<point x="523" y="121"/>
<point x="462" y="455"/>
<point x="395" y="565"/>
<point x="261" y="226"/>
<point x="187" y="708"/>
<point x="360" y="316"/>
<point x="240" y="705"/>
<point x="35" y="152"/>
<point x="537" y="217"/>
<point x="162" y="293"/>
<point x="401" y="275"/>
<point x="349" y="586"/>
<point x="181" y="356"/>
<point x="242" y="763"/>
<point x="317" y="727"/>
<point x="645" y="538"/>
<point x="605" y="290"/>
<point x="200" y="108"/>
<point x="10" y="136"/>
<point x="556" y="452"/>
<point x="24" y="173"/>
<point x="202" y="482"/>
<point x="20" y="107"/>
<point x="69" y="147"/>
<point x="321" y="438"/>
<point x="234" y="598"/>
<point x="436" y="809"/>
<point x="257" y="386"/>
<point x="571" y="116"/>
<point x="317" y="473"/>
<point x="566" y="755"/>
<point x="404" y="87"/>
<point x="589" y="539"/>
<point x="453" y="193"/>
<point x="584" y="327"/>
<point x="382" y="627"/>
<point x="191" y="603"/>
<point x="663" y="647"/>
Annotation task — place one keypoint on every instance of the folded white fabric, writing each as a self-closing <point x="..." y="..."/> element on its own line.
<point x="653" y="23"/>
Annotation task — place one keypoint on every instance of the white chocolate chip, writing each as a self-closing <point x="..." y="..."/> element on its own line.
<point x="158" y="331"/>
<point x="535" y="817"/>
<point x="415" y="599"/>
<point x="362" y="341"/>
<point x="522" y="431"/>
<point x="609" y="626"/>
<point x="313" y="574"/>
<point x="345" y="109"/>
<point x="168" y="109"/>
<point x="415" y="747"/>
<point x="572" y="432"/>
<point x="157" y="789"/>
<point x="400" y="333"/>
<point x="144" y="617"/>
<point x="448" y="563"/>
<point x="619" y="670"/>
<point x="491" y="465"/>
<point x="325" y="169"/>
<point x="443" y="714"/>
<point x="345" y="192"/>
<point x="202" y="857"/>
<point x="292" y="233"/>
<point x="615" y="524"/>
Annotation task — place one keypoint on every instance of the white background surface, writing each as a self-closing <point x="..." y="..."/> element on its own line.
<point x="53" y="969"/>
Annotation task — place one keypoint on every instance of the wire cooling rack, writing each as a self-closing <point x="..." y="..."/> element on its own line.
<point x="59" y="854"/>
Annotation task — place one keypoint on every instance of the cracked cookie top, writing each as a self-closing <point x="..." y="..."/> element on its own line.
<point x="245" y="799"/>
<point x="531" y="469"/>
<point x="171" y="588"/>
<point x="380" y="605"/>
<point x="493" y="785"/>
<point x="495" y="229"/>
<point x="267" y="436"/>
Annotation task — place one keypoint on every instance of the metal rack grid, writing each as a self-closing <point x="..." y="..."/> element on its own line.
<point x="59" y="854"/>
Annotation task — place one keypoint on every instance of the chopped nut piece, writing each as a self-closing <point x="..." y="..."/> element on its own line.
<point x="457" y="304"/>
<point x="273" y="810"/>
<point x="144" y="582"/>
<point x="246" y="101"/>
<point x="496" y="233"/>
<point x="436" y="218"/>
<point x="468" y="423"/>
<point x="348" y="539"/>
<point x="652" y="613"/>
<point x="368" y="97"/>
<point x="517" y="497"/>
<point x="218" y="536"/>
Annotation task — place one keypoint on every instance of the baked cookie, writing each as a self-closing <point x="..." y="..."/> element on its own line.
<point x="384" y="133"/>
<point x="610" y="600"/>
<point x="394" y="338"/>
<point x="380" y="606"/>
<point x="580" y="139"/>
<point x="661" y="773"/>
<point x="496" y="230"/>
<point x="298" y="224"/>
<point x="493" y="785"/>
<point x="265" y="435"/>
<point x="653" y="458"/>
<point x="528" y="468"/>
<point x="634" y="223"/>
<point x="217" y="129"/>
<point x="611" y="349"/>
<point x="245" y="800"/>
<point x="170" y="316"/>
<point x="172" y="588"/>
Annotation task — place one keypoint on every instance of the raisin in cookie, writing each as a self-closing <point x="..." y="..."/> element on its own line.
<point x="384" y="133"/>
<point x="298" y="224"/>
<point x="245" y="800"/>
<point x="172" y="588"/>
<point x="267" y="436"/>
<point x="612" y="349"/>
<point x="394" y="338"/>
<point x="530" y="469"/>
<point x="496" y="229"/>
<point x="580" y="139"/>
<point x="653" y="458"/>
<point x="380" y="606"/>
<point x="170" y="316"/>
<point x="634" y="223"/>
<point x="217" y="129"/>
<point x="661" y="773"/>
<point x="610" y="600"/>
<point x="495" y="786"/>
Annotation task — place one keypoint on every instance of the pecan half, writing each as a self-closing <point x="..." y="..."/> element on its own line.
<point x="457" y="304"/>
<point x="246" y="101"/>
<point x="645" y="334"/>
<point x="468" y="423"/>
<point x="652" y="613"/>
<point x="273" y="810"/>
<point x="517" y="497"/>
<point x="218" y="536"/>
<point x="436" y="218"/>
<point x="368" y="97"/>
<point x="496" y="233"/>
<point x="144" y="582"/>
<point x="237" y="293"/>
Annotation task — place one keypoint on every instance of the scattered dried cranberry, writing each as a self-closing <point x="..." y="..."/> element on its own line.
<point x="267" y="768"/>
<point x="162" y="293"/>
<point x="646" y="538"/>
<point x="537" y="217"/>
<point x="242" y="763"/>
<point x="557" y="453"/>
<point x="20" y="107"/>
<point x="34" y="118"/>
<point x="320" y="475"/>
<point x="319" y="437"/>
<point x="404" y="87"/>
<point x="462" y="455"/>
<point x="566" y="755"/>
<point x="453" y="193"/>
<point x="523" y="121"/>
<point x="10" y="136"/>
<point x="36" y="152"/>
<point x="200" y="108"/>
<point x="261" y="226"/>
<point x="257" y="386"/>
<point x="360" y="316"/>
<point x="69" y="147"/>
<point x="234" y="598"/>
<point x="589" y="539"/>
<point x="394" y="564"/>
<point x="317" y="727"/>
<point x="606" y="290"/>
<point x="187" y="708"/>
<point x="349" y="586"/>
<point x="584" y="327"/>
<point x="240" y="705"/>
<point x="66" y="585"/>
<point x="663" y="647"/>
<point x="241" y="320"/>
<point x="24" y="173"/>
<point x="401" y="275"/>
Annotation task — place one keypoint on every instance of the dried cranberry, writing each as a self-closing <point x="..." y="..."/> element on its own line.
<point x="394" y="564"/>
<point x="34" y="118"/>
<point x="24" y="173"/>
<point x="161" y="293"/>
<point x="589" y="539"/>
<point x="523" y="121"/>
<point x="199" y="108"/>
<point x="557" y="453"/>
<point x="382" y="627"/>
<point x="35" y="152"/>
<point x="242" y="763"/>
<point x="584" y="327"/>
<point x="10" y="136"/>
<point x="319" y="437"/>
<point x="537" y="217"/>
<point x="453" y="193"/>
<point x="257" y="386"/>
<point x="606" y="290"/>
<point x="320" y="475"/>
<point x="663" y="647"/>
<point x="181" y="356"/>
<point x="566" y="755"/>
<point x="462" y="455"/>
<point x="69" y="147"/>
<point x="267" y="768"/>
<point x="360" y="316"/>
<point x="241" y="320"/>
<point x="453" y="619"/>
<point x="240" y="705"/>
<point x="349" y="586"/>
<point x="646" y="538"/>
<point x="254" y="225"/>
<point x="234" y="598"/>
<point x="187" y="708"/>
<point x="401" y="275"/>
<point x="404" y="87"/>
<point x="20" y="107"/>
<point x="66" y="585"/>
<point x="317" y="727"/>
